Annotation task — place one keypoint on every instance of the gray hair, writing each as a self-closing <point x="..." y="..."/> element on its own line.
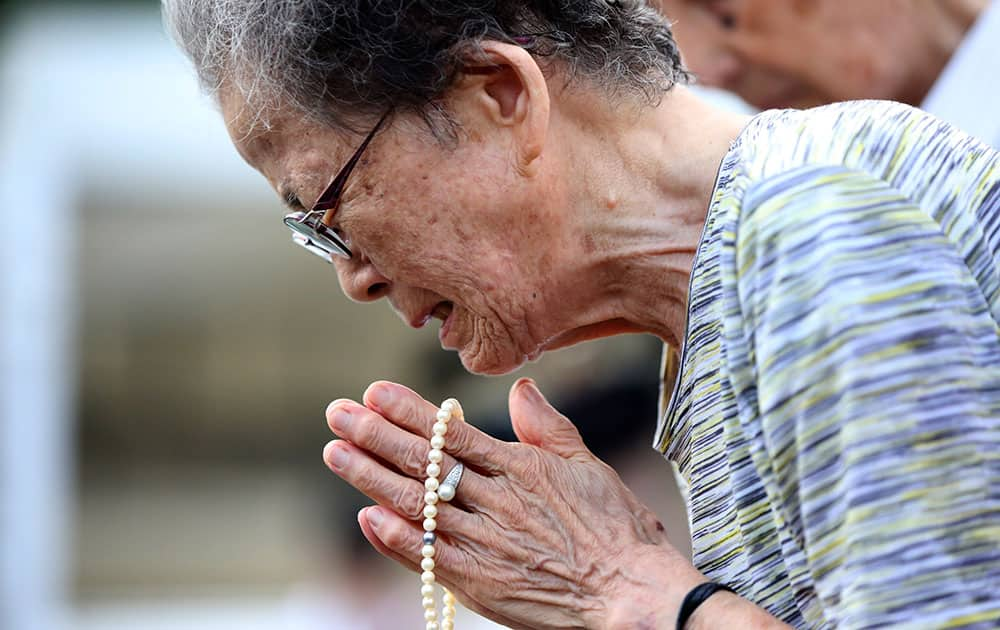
<point x="345" y="62"/>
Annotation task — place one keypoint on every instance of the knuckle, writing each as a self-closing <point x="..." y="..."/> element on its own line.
<point x="459" y="438"/>
<point x="414" y="458"/>
<point x="466" y="442"/>
<point x="365" y="479"/>
<point x="369" y="431"/>
<point x="410" y="502"/>
<point x="415" y="412"/>
<point x="395" y="535"/>
<point x="525" y="463"/>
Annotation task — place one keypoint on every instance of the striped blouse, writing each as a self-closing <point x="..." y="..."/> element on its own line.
<point x="835" y="424"/>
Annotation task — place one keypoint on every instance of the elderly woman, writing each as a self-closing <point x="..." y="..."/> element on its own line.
<point x="533" y="175"/>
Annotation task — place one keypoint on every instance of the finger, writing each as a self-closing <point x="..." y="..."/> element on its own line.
<point x="406" y="408"/>
<point x="400" y="494"/>
<point x="537" y="422"/>
<point x="365" y="520"/>
<point x="372" y="432"/>
<point x="406" y="451"/>
<point x="397" y="539"/>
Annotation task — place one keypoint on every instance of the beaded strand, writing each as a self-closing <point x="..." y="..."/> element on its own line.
<point x="449" y="409"/>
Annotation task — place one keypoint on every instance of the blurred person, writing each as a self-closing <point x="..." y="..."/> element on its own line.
<point x="940" y="55"/>
<point x="535" y="175"/>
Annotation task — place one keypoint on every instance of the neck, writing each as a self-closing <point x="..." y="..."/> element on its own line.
<point x="648" y="204"/>
<point x="942" y="25"/>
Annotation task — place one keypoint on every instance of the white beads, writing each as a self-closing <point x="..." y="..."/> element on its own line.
<point x="446" y="492"/>
<point x="436" y="491"/>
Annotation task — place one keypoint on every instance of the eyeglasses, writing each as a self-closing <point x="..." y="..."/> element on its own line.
<point x="311" y="229"/>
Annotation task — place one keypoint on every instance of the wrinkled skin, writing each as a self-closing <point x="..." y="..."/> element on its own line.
<point x="559" y="216"/>
<point x="541" y="533"/>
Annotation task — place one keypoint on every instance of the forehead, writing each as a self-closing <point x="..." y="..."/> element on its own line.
<point x="254" y="137"/>
<point x="288" y="149"/>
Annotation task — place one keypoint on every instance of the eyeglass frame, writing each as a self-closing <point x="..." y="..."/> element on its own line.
<point x="311" y="230"/>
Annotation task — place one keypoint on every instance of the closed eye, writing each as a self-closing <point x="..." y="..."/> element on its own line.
<point x="723" y="11"/>
<point x="292" y="201"/>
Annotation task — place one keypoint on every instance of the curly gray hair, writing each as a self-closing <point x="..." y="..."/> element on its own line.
<point x="342" y="62"/>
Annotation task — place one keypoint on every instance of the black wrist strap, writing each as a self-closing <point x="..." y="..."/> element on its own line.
<point x="696" y="597"/>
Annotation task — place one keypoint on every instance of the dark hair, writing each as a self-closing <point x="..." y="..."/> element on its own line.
<point x="346" y="61"/>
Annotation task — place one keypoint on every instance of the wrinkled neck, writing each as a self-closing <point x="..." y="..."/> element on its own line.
<point x="647" y="212"/>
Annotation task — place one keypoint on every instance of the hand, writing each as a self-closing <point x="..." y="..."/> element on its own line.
<point x="541" y="533"/>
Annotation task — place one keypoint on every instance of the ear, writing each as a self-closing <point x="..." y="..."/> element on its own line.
<point x="508" y="89"/>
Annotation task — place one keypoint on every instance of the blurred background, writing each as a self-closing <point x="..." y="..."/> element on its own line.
<point x="168" y="354"/>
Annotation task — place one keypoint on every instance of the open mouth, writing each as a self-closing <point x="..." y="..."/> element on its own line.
<point x="442" y="310"/>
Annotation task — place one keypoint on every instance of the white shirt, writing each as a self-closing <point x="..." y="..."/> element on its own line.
<point x="967" y="94"/>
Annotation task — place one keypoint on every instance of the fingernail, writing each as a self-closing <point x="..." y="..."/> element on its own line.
<point x="341" y="419"/>
<point x="380" y="396"/>
<point x="530" y="391"/>
<point x="375" y="517"/>
<point x="338" y="458"/>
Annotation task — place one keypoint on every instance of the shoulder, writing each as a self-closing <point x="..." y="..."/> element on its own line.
<point x="821" y="245"/>
<point x="856" y="134"/>
<point x="815" y="210"/>
<point x="895" y="142"/>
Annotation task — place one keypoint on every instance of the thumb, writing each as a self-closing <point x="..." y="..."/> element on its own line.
<point x="537" y="422"/>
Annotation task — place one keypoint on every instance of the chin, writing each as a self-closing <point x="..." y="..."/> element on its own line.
<point x="499" y="364"/>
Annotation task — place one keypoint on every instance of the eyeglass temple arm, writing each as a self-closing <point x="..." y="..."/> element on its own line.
<point x="330" y="199"/>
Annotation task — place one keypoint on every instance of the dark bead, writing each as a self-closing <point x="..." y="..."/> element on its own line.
<point x="430" y="538"/>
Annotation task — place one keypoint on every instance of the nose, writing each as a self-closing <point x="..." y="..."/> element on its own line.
<point x="360" y="280"/>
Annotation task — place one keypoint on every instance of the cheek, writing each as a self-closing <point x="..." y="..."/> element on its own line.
<point x="450" y="216"/>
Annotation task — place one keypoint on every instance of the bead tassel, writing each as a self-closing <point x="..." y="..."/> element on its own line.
<point x="449" y="409"/>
